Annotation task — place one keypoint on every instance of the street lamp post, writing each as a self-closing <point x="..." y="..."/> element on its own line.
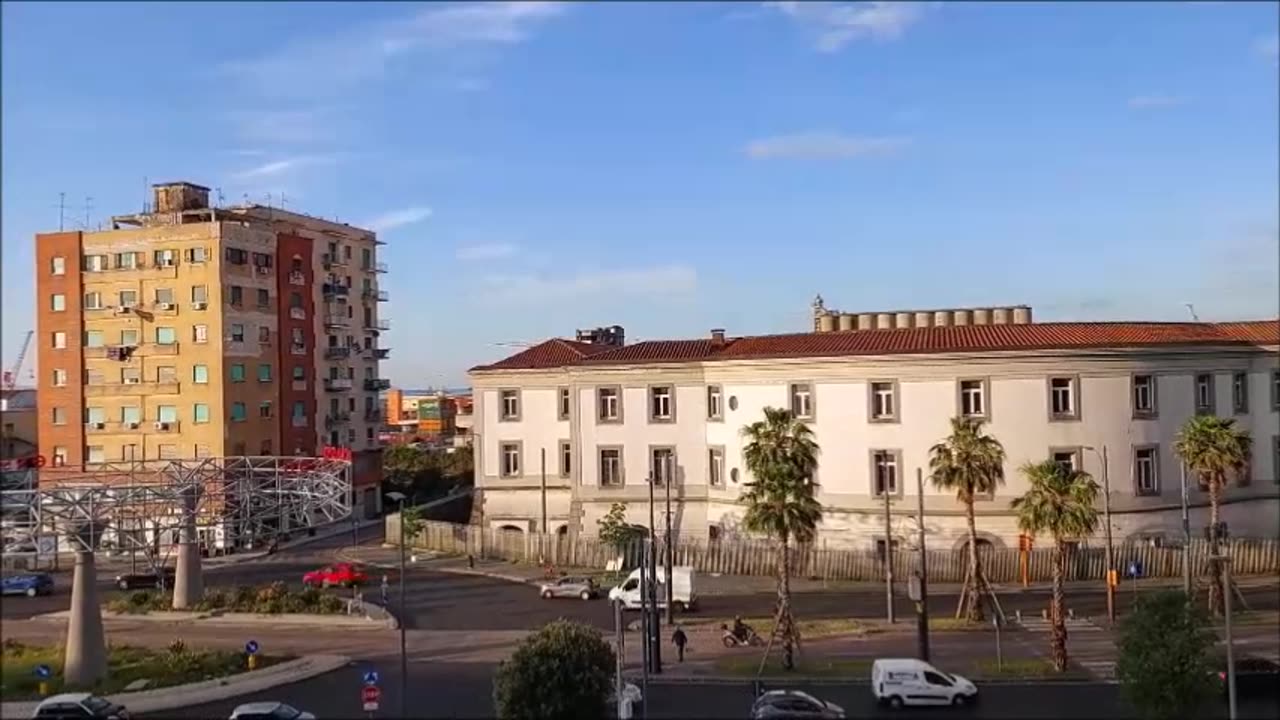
<point x="1224" y="562"/>
<point x="655" y="646"/>
<point x="668" y="477"/>
<point x="1106" y="519"/>
<point x="397" y="497"/>
<point x="1186" y="537"/>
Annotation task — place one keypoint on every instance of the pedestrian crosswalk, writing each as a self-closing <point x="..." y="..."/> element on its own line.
<point x="1088" y="645"/>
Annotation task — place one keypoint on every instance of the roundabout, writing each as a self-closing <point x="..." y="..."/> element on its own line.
<point x="183" y="507"/>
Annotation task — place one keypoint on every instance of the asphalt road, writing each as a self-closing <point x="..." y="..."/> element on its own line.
<point x="440" y="691"/>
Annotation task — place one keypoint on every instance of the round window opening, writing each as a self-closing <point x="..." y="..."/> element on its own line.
<point x="733" y="402"/>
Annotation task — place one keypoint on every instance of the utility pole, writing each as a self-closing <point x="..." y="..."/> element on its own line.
<point x="1186" y="537"/>
<point x="1224" y="564"/>
<point x="544" y="491"/>
<point x="669" y="475"/>
<point x="1112" y="579"/>
<point x="655" y="645"/>
<point x="888" y="559"/>
<point x="922" y="606"/>
<point x="619" y="646"/>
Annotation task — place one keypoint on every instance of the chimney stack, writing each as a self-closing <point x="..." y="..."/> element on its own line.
<point x="717" y="337"/>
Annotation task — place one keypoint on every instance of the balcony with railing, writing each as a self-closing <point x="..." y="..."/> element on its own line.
<point x="131" y="389"/>
<point x="337" y="353"/>
<point x="380" y="267"/>
<point x="376" y="353"/>
<point x="376" y="384"/>
<point x="378" y="295"/>
<point x="336" y="320"/>
<point x="332" y="420"/>
<point x="337" y="384"/>
<point x="332" y="290"/>
<point x="382" y="324"/>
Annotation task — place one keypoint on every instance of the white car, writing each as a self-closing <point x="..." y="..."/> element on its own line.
<point x="908" y="681"/>
<point x="79" y="705"/>
<point x="269" y="711"/>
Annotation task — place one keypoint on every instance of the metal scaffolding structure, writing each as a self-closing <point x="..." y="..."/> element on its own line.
<point x="138" y="506"/>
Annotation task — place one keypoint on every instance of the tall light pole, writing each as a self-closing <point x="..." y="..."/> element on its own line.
<point x="668" y="475"/>
<point x="655" y="645"/>
<point x="1224" y="564"/>
<point x="398" y="497"/>
<point x="1106" y="519"/>
<point x="888" y="559"/>
<point x="1186" y="537"/>
<point x="923" y="605"/>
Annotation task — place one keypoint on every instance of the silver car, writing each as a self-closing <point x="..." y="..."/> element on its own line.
<point x="793" y="704"/>
<point x="569" y="587"/>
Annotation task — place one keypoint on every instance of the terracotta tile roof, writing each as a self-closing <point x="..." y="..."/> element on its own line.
<point x="970" y="338"/>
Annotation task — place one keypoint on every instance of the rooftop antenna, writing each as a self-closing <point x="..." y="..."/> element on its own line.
<point x="1192" y="309"/>
<point x="62" y="209"/>
<point x="146" y="193"/>
<point x="221" y="199"/>
<point x="282" y="200"/>
<point x="88" y="210"/>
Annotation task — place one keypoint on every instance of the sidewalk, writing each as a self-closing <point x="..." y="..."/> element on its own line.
<point x="715" y="584"/>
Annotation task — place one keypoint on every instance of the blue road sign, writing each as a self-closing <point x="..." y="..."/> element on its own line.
<point x="371" y="677"/>
<point x="43" y="671"/>
<point x="1135" y="568"/>
<point x="251" y="647"/>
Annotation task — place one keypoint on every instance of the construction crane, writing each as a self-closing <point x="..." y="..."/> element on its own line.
<point x="11" y="376"/>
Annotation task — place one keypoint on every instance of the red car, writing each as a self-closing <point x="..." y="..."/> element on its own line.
<point x="342" y="574"/>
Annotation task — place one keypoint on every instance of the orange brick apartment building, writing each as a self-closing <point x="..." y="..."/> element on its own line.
<point x="192" y="331"/>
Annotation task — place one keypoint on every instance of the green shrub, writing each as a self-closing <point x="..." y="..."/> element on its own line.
<point x="1165" y="667"/>
<point x="177" y="646"/>
<point x="564" y="670"/>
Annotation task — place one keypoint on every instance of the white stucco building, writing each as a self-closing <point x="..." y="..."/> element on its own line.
<point x="607" y="415"/>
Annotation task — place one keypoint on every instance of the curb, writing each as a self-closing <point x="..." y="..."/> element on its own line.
<point x="207" y="691"/>
<point x="827" y="680"/>
<point x="282" y="619"/>
<point x="486" y="574"/>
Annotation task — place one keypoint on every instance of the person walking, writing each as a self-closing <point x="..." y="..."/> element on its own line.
<point x="679" y="639"/>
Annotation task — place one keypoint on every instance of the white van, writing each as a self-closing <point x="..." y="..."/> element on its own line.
<point x="682" y="595"/>
<point x="907" y="681"/>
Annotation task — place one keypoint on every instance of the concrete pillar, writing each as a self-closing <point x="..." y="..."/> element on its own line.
<point x="188" y="578"/>
<point x="86" y="660"/>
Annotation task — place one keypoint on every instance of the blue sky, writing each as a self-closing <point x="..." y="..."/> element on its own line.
<point x="537" y="167"/>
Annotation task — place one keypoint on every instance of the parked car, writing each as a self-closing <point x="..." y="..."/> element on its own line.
<point x="908" y="681"/>
<point x="29" y="584"/>
<point x="339" y="574"/>
<point x="793" y="704"/>
<point x="569" y="587"/>
<point x="1255" y="677"/>
<point x="146" y="579"/>
<point x="79" y="705"/>
<point x="269" y="711"/>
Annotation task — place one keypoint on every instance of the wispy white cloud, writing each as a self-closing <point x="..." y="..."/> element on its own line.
<point x="1155" y="102"/>
<point x="1268" y="48"/>
<point x="331" y="65"/>
<point x="823" y="145"/>
<point x="836" y="24"/>
<point x="491" y="251"/>
<point x="640" y="282"/>
<point x="284" y="127"/>
<point x="276" y="168"/>
<point x="398" y="218"/>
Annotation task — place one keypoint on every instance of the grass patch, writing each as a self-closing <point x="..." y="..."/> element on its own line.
<point x="809" y="629"/>
<point x="176" y="665"/>
<point x="272" y="599"/>
<point x="1017" y="668"/>
<point x="747" y="666"/>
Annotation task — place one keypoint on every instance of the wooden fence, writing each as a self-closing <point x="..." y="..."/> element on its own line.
<point x="759" y="557"/>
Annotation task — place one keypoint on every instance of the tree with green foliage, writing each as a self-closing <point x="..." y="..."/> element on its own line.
<point x="412" y="521"/>
<point x="782" y="457"/>
<point x="564" y="670"/>
<point x="968" y="463"/>
<point x="1165" y="666"/>
<point x="1062" y="502"/>
<point x="1212" y="447"/>
<point x="404" y="466"/>
<point x="614" y="529"/>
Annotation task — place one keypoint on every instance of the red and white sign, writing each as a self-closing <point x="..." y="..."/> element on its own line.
<point x="369" y="695"/>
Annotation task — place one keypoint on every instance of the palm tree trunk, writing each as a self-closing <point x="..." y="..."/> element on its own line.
<point x="1058" y="636"/>
<point x="1215" y="574"/>
<point x="786" y="624"/>
<point x="972" y="595"/>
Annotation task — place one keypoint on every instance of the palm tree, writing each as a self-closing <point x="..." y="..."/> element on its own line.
<point x="1211" y="446"/>
<point x="968" y="463"/>
<point x="782" y="456"/>
<point x="1061" y="502"/>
